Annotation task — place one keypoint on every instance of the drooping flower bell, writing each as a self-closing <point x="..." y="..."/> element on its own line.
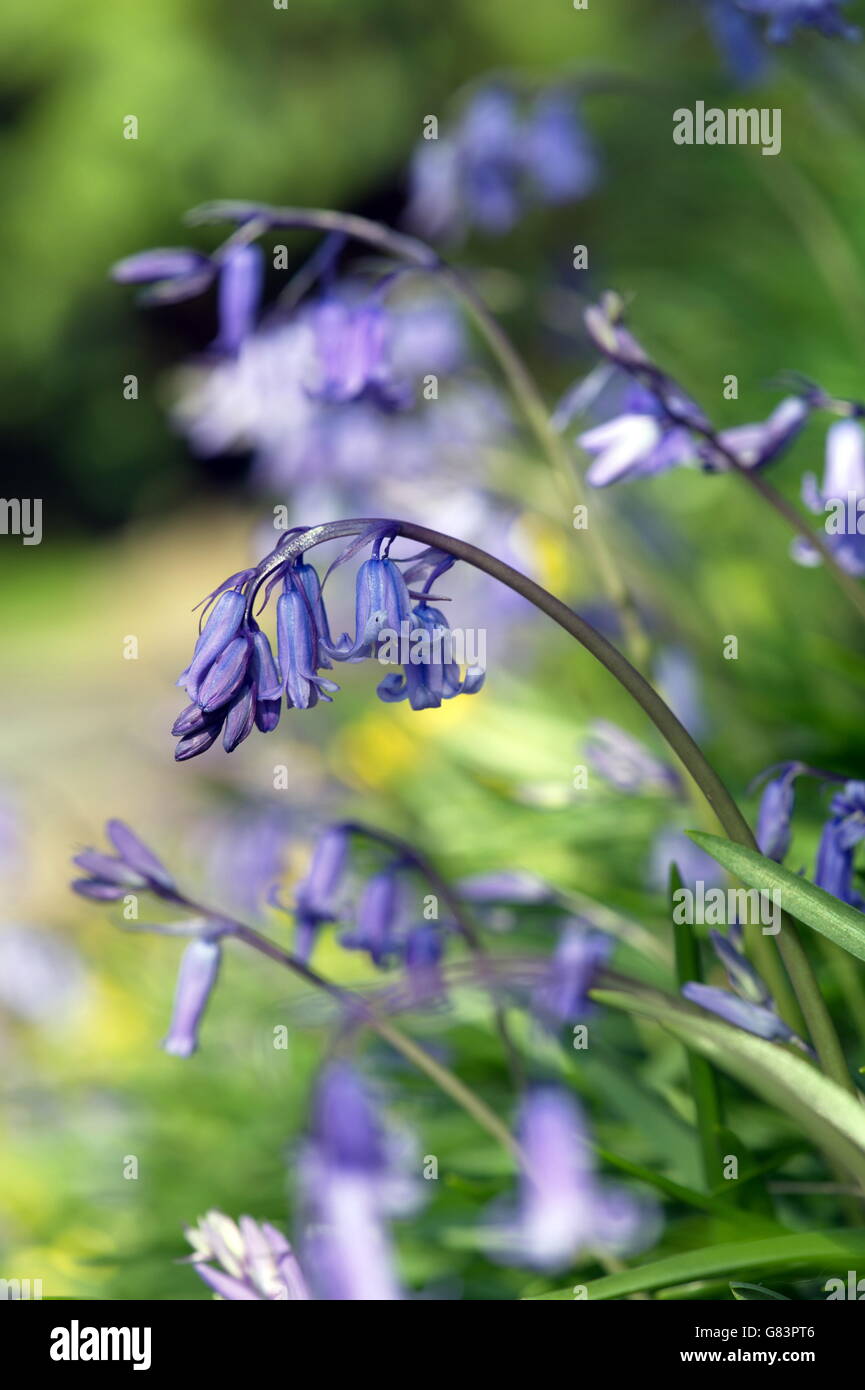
<point x="349" y="1187"/>
<point x="378" y="920"/>
<point x="199" y="971"/>
<point x="750" y="1005"/>
<point x="133" y="866"/>
<point x="177" y="273"/>
<point x="317" y="897"/>
<point x="843" y="831"/>
<point x="246" y="1260"/>
<point x="840" y="500"/>
<point x="563" y="994"/>
<point x="233" y="681"/>
<point x="430" y="672"/>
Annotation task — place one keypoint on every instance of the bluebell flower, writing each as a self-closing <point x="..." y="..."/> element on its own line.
<point x="758" y="1019"/>
<point x="353" y="355"/>
<point x="488" y="144"/>
<point x="564" y="1210"/>
<point x="750" y="1007"/>
<point x="784" y="17"/>
<point x="349" y="1187"/>
<point x="661" y="427"/>
<point x="740" y="972"/>
<point x="502" y="156"/>
<point x="233" y="681"/>
<point x="624" y="762"/>
<point x="563" y="994"/>
<point x="842" y="495"/>
<point x="378" y="918"/>
<point x="558" y="154"/>
<point x="430" y="674"/>
<point x="636" y="444"/>
<point x="382" y="603"/>
<point x="246" y="1260"/>
<point x="774" y="830"/>
<point x="737" y="36"/>
<point x="756" y="445"/>
<point x="176" y="273"/>
<point x="133" y="866"/>
<point x="422" y="952"/>
<point x="317" y="897"/>
<point x="199" y="971"/>
<point x="241" y="280"/>
<point x="301" y="642"/>
<point x="842" y="832"/>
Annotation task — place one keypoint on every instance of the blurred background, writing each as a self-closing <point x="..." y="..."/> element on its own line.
<point x="734" y="263"/>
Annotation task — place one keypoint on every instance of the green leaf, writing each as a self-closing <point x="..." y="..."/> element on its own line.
<point x="803" y="900"/>
<point x="777" y="1255"/>
<point x="753" y="1293"/>
<point x="832" y="1118"/>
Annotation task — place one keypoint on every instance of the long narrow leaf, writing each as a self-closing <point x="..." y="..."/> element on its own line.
<point x="803" y="900"/>
<point x="820" y="1250"/>
<point x="832" y="1119"/>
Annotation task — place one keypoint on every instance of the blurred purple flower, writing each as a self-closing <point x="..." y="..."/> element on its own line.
<point x="564" y="1210"/>
<point x="114" y="876"/>
<point x="349" y="1187"/>
<point x="422" y="952"/>
<point x="253" y="1260"/>
<point x="738" y="38"/>
<point x="241" y="279"/>
<point x="499" y="158"/>
<point x="776" y="809"/>
<point x="176" y="273"/>
<point x="758" y="1019"/>
<point x="378" y="917"/>
<point x="757" y="444"/>
<point x="624" y="762"/>
<point x="783" y="17"/>
<point x="676" y="679"/>
<point x="42" y="979"/>
<point x="199" y="970"/>
<point x="661" y="427"/>
<point x="750" y="1007"/>
<point x="317" y="897"/>
<point x="843" y="494"/>
<point x="843" y="831"/>
<point x="353" y="358"/>
<point x="636" y="444"/>
<point x="563" y="994"/>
